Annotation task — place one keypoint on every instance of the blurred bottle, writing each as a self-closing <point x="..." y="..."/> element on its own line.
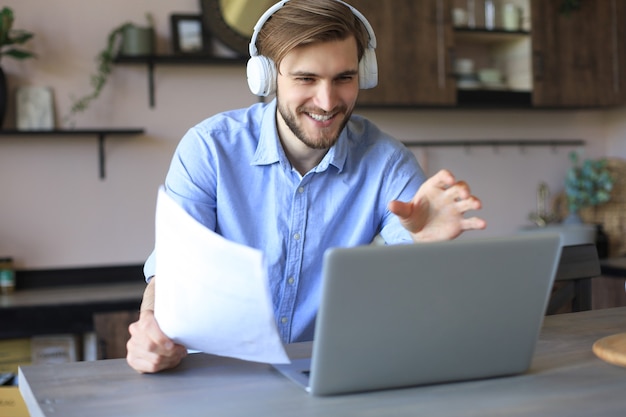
<point x="490" y="14"/>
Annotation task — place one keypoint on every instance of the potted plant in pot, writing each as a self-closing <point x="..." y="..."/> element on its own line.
<point x="127" y="39"/>
<point x="9" y="38"/>
<point x="587" y="184"/>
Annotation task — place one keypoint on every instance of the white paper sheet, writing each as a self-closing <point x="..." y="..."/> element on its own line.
<point x="212" y="294"/>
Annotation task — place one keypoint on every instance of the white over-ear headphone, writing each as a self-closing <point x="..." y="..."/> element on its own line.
<point x="262" y="72"/>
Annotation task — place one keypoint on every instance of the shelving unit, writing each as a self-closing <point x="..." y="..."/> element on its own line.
<point x="101" y="134"/>
<point x="506" y="51"/>
<point x="184" y="59"/>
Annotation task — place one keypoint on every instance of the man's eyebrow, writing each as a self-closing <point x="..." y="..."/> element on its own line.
<point x="312" y="74"/>
<point x="302" y="74"/>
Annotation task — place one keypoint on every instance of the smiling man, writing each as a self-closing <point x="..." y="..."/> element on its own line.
<point x="301" y="174"/>
<point x="316" y="99"/>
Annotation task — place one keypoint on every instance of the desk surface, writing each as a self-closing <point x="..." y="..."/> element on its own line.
<point x="565" y="379"/>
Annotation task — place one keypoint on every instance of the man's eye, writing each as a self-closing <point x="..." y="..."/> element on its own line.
<point x="305" y="79"/>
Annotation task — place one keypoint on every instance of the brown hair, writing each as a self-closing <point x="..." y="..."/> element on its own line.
<point x="305" y="22"/>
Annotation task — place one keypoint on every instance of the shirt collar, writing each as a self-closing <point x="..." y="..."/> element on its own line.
<point x="269" y="149"/>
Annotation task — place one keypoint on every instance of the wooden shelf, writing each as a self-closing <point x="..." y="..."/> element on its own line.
<point x="183" y="59"/>
<point x="101" y="134"/>
<point x="495" y="143"/>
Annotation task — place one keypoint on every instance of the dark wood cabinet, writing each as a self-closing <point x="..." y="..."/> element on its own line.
<point x="417" y="48"/>
<point x="578" y="57"/>
<point x="415" y="43"/>
<point x="572" y="60"/>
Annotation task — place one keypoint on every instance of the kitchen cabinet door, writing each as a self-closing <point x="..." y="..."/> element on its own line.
<point x="578" y="58"/>
<point x="414" y="50"/>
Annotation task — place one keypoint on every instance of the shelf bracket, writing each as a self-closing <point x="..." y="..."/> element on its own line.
<point x="101" y="156"/>
<point x="151" y="82"/>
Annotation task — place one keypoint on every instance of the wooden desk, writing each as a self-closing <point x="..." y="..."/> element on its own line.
<point x="565" y="379"/>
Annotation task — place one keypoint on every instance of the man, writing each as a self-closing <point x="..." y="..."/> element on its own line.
<point x="300" y="174"/>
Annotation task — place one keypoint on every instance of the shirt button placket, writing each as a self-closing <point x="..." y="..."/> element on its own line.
<point x="294" y="260"/>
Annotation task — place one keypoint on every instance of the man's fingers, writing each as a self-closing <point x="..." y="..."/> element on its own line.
<point x="400" y="209"/>
<point x="150" y="362"/>
<point x="467" y="204"/>
<point x="473" y="223"/>
<point x="443" y="179"/>
<point x="149" y="349"/>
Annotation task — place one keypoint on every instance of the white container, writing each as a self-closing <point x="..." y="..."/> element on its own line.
<point x="459" y="17"/>
<point x="511" y="17"/>
<point x="490" y="76"/>
<point x="464" y="66"/>
<point x="490" y="15"/>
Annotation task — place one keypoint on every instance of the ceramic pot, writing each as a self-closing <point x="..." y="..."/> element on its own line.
<point x="137" y="40"/>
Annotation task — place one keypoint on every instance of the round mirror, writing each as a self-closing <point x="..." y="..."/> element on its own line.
<point x="232" y="21"/>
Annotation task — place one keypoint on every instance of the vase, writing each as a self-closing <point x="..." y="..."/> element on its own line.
<point x="573" y="218"/>
<point x="3" y="96"/>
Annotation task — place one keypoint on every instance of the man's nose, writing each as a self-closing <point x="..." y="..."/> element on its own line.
<point x="326" y="96"/>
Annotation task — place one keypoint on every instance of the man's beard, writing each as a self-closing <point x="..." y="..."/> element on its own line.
<point x="327" y="136"/>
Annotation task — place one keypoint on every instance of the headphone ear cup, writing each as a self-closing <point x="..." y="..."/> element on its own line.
<point x="368" y="69"/>
<point x="261" y="73"/>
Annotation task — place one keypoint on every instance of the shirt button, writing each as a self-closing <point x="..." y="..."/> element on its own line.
<point x="296" y="236"/>
<point x="291" y="280"/>
<point x="300" y="190"/>
<point x="283" y="320"/>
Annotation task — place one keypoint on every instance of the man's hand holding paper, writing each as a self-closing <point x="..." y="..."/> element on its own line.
<point x="211" y="294"/>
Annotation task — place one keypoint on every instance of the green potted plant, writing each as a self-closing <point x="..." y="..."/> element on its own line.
<point x="586" y="184"/>
<point x="9" y="38"/>
<point x="120" y="40"/>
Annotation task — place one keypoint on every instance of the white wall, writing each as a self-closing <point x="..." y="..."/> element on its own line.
<point x="56" y="212"/>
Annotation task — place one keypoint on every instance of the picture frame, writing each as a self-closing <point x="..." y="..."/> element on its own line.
<point x="189" y="35"/>
<point x="34" y="108"/>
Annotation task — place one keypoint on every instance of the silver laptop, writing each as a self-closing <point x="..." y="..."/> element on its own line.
<point x="408" y="315"/>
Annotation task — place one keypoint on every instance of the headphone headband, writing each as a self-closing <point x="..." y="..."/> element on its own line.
<point x="262" y="72"/>
<point x="269" y="12"/>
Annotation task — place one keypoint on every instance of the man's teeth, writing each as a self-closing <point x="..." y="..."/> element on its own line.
<point x="320" y="117"/>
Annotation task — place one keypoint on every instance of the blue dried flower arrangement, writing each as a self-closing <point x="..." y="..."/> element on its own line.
<point x="587" y="184"/>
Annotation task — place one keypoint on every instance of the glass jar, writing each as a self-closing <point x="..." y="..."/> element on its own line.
<point x="490" y="14"/>
<point x="7" y="276"/>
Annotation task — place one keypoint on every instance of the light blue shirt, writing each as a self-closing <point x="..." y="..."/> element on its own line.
<point x="231" y="174"/>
